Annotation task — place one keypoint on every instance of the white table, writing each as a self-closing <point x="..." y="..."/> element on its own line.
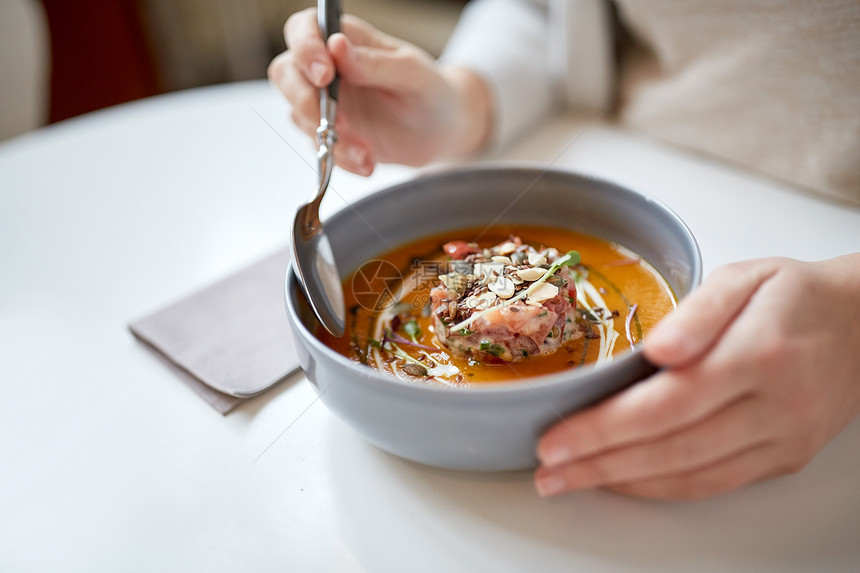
<point x="109" y="463"/>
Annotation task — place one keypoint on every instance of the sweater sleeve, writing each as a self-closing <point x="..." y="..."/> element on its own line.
<point x="506" y="42"/>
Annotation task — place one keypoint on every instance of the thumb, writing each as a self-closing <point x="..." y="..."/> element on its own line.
<point x="702" y="317"/>
<point x="402" y="68"/>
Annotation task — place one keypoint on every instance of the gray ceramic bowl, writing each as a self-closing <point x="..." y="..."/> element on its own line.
<point x="493" y="426"/>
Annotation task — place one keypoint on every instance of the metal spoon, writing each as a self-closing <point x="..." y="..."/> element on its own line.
<point x="313" y="260"/>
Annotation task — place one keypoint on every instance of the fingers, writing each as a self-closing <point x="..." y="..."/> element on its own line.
<point x="307" y="66"/>
<point x="388" y="68"/>
<point x="363" y="34"/>
<point x="702" y="317"/>
<point x="308" y="50"/>
<point x="354" y="154"/>
<point x="311" y="55"/>
<point x="755" y="464"/>
<point x="303" y="97"/>
<point x="732" y="430"/>
<point x="351" y="152"/>
<point x="672" y="399"/>
<point x="292" y="72"/>
<point x="663" y="404"/>
<point x="388" y="87"/>
<point x="664" y="438"/>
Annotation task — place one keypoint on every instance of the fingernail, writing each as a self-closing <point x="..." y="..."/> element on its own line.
<point x="555" y="456"/>
<point x="349" y="51"/>
<point x="318" y="71"/>
<point x="356" y="155"/>
<point x="366" y="170"/>
<point x="550" y="484"/>
<point x="670" y="335"/>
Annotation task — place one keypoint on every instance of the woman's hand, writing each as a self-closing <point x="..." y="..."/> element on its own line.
<point x="396" y="104"/>
<point x="762" y="368"/>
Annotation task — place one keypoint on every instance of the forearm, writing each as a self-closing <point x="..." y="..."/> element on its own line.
<point x="505" y="42"/>
<point x="475" y="111"/>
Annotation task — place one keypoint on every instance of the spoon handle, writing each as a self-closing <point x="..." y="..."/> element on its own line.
<point x="328" y="18"/>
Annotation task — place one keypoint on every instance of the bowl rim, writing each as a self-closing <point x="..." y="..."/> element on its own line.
<point x="533" y="383"/>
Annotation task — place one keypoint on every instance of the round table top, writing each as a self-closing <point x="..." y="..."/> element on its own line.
<point x="108" y="463"/>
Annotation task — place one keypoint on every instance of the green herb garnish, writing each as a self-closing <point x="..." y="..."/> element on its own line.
<point x="412" y="329"/>
<point x="493" y="349"/>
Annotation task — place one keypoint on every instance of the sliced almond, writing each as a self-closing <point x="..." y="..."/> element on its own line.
<point x="503" y="286"/>
<point x="506" y="248"/>
<point x="530" y="274"/>
<point x="502" y="260"/>
<point x="488" y="271"/>
<point x="536" y="259"/>
<point x="488" y="297"/>
<point x="481" y="301"/>
<point x="482" y="271"/>
<point x="544" y="292"/>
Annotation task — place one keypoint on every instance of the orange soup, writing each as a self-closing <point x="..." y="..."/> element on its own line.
<point x="597" y="300"/>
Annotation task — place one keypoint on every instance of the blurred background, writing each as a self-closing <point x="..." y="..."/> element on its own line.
<point x="62" y="58"/>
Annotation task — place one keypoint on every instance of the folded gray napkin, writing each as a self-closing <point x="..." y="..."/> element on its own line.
<point x="230" y="341"/>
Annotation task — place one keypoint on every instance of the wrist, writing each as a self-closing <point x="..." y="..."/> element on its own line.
<point x="843" y="275"/>
<point x="474" y="111"/>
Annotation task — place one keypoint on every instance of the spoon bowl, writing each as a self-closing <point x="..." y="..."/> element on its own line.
<point x="313" y="263"/>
